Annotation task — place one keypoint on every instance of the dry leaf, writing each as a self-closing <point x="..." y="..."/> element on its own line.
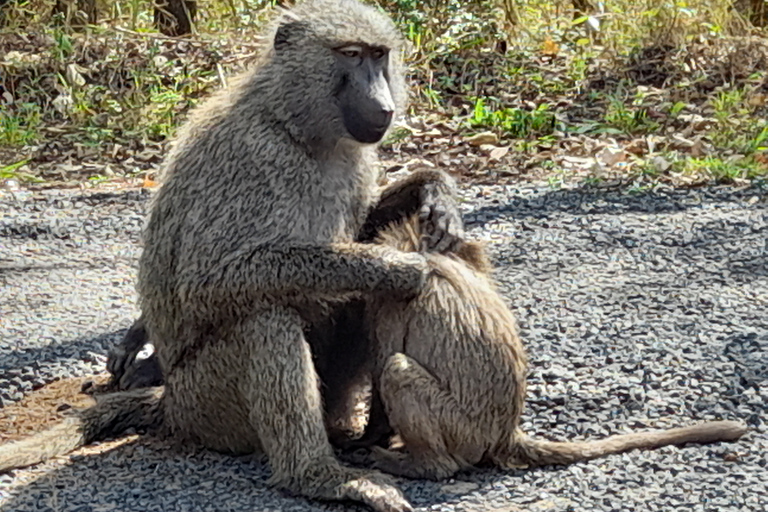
<point x="611" y="156"/>
<point x="637" y="147"/>
<point x="757" y="100"/>
<point x="698" y="149"/>
<point x="148" y="183"/>
<point x="63" y="103"/>
<point x="74" y="76"/>
<point x="680" y="143"/>
<point x="499" y="153"/>
<point x="550" y="47"/>
<point x="482" y="138"/>
<point x="661" y="163"/>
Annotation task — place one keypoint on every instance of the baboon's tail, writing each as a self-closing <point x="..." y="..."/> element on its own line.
<point x="112" y="415"/>
<point x="538" y="452"/>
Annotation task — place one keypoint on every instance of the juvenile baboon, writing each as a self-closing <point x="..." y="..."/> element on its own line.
<point x="255" y="238"/>
<point x="450" y="370"/>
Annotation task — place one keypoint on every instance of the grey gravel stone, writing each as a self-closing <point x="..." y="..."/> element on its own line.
<point x="638" y="311"/>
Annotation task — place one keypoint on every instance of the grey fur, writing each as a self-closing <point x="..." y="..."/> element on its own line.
<point x="256" y="236"/>
<point x="251" y="241"/>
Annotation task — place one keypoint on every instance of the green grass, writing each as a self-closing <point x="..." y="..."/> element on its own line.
<point x="720" y="170"/>
<point x="514" y="123"/>
<point x="19" y="125"/>
<point x="626" y="119"/>
<point x="13" y="172"/>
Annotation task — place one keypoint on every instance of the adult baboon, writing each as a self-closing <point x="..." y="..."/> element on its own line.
<point x="339" y="343"/>
<point x="450" y="370"/>
<point x="250" y="243"/>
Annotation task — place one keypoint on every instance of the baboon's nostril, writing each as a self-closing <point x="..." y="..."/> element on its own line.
<point x="386" y="116"/>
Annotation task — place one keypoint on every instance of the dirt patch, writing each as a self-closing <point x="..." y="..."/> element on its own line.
<point x="44" y="407"/>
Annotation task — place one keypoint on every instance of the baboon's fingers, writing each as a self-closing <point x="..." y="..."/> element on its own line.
<point x="332" y="481"/>
<point x="377" y="492"/>
<point x="441" y="231"/>
<point x="441" y="225"/>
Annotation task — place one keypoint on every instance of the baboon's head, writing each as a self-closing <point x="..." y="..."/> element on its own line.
<point x="340" y="70"/>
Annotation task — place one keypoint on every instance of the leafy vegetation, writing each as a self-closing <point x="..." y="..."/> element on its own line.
<point x="640" y="92"/>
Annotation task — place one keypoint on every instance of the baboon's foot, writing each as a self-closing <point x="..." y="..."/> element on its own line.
<point x="132" y="362"/>
<point x="431" y="467"/>
<point x="374" y="435"/>
<point x="335" y="482"/>
<point x="377" y="432"/>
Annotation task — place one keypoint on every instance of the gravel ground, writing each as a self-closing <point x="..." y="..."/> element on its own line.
<point x="638" y="311"/>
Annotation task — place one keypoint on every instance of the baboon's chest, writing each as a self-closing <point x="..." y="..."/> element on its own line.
<point x="337" y="204"/>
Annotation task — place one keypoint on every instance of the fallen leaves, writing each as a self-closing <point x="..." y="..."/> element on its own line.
<point x="482" y="138"/>
<point x="668" y="107"/>
<point x="497" y="153"/>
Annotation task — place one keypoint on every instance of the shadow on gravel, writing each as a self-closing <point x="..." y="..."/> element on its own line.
<point x="749" y="353"/>
<point x="148" y="476"/>
<point x="588" y="200"/>
<point x="23" y="370"/>
<point x="88" y="349"/>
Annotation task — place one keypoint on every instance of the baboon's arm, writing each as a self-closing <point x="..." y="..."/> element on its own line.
<point x="431" y="194"/>
<point x="326" y="269"/>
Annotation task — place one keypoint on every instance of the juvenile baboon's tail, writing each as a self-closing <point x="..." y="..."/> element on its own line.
<point x="539" y="453"/>
<point x="112" y="415"/>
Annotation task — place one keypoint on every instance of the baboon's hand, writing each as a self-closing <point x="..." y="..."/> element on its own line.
<point x="331" y="480"/>
<point x="379" y="492"/>
<point x="407" y="273"/>
<point x="441" y="225"/>
<point x="132" y="362"/>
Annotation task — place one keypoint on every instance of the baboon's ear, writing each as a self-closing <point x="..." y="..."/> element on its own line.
<point x="287" y="31"/>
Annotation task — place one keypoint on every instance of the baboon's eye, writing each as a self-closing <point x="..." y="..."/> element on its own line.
<point x="351" y="51"/>
<point x="378" y="53"/>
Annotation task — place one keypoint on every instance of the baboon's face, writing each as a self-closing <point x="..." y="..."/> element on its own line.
<point x="363" y="92"/>
<point x="337" y="71"/>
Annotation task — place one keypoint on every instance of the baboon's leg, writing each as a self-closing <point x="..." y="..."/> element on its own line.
<point x="378" y="430"/>
<point x="341" y="353"/>
<point x="285" y="409"/>
<point x="424" y="415"/>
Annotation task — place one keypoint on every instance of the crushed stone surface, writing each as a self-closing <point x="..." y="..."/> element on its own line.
<point x="638" y="310"/>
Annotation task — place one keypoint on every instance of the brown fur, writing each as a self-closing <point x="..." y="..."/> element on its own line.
<point x="450" y="370"/>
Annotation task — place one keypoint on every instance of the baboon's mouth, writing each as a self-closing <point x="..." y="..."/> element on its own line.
<point x="370" y="135"/>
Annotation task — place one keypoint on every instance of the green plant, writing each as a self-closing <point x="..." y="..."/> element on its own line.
<point x="10" y="171"/>
<point x="675" y="109"/>
<point x="555" y="181"/>
<point x="513" y="122"/>
<point x="19" y="125"/>
<point x="62" y="48"/>
<point x="399" y="134"/>
<point x="721" y="170"/>
<point x="628" y="120"/>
